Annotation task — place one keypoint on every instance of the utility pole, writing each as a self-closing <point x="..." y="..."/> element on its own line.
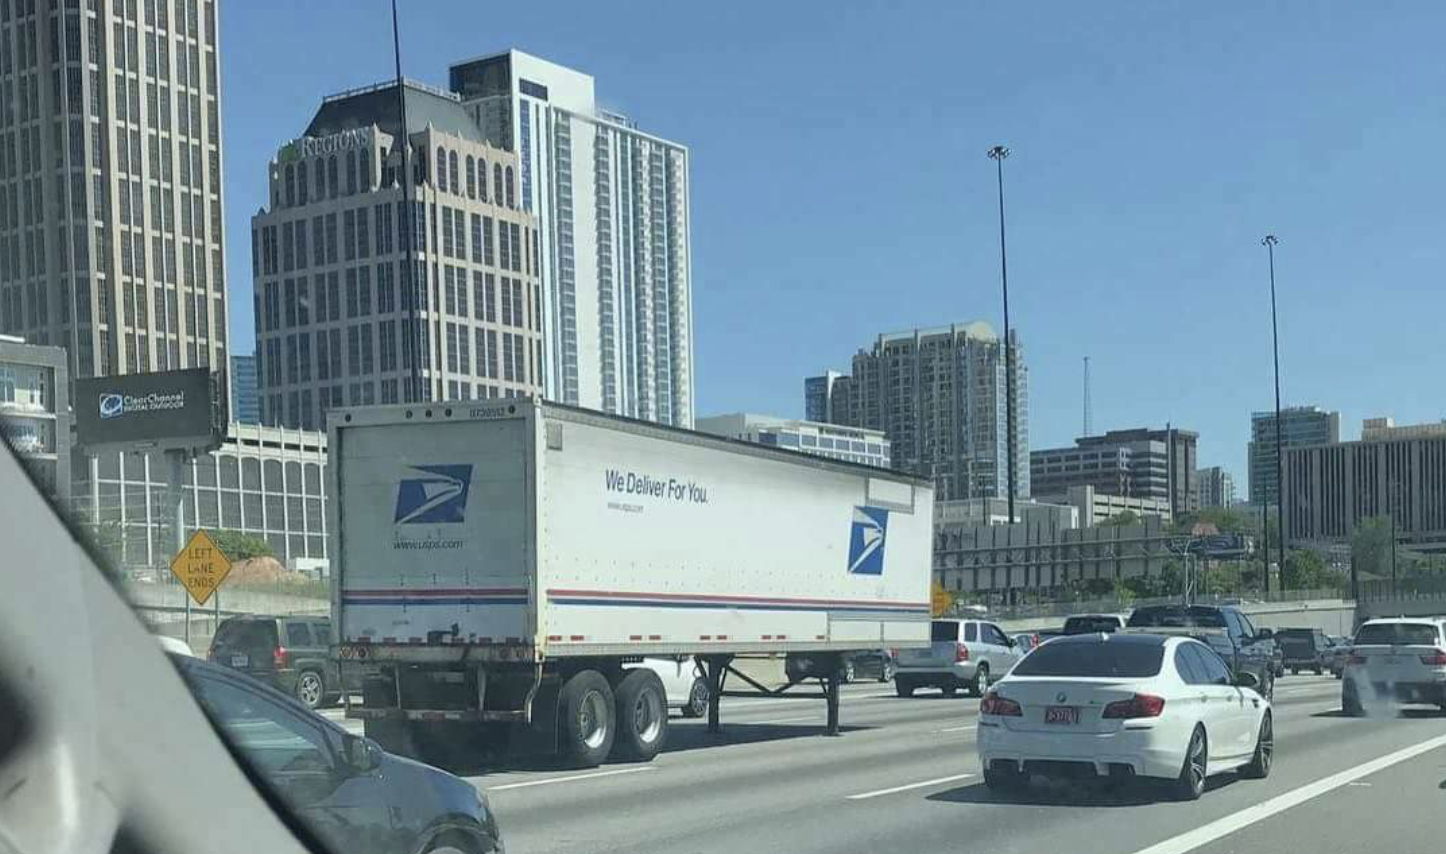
<point x="998" y="154"/>
<point x="1088" y="427"/>
<point x="1270" y="242"/>
<point x="412" y="289"/>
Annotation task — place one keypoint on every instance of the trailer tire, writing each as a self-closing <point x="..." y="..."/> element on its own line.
<point x="587" y="722"/>
<point x="642" y="717"/>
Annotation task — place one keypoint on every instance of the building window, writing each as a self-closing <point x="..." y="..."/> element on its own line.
<point x="351" y="173"/>
<point x="471" y="177"/>
<point x="290" y="185"/>
<point x="482" y="179"/>
<point x="441" y="182"/>
<point x="511" y="195"/>
<point x="333" y="184"/>
<point x="452" y="173"/>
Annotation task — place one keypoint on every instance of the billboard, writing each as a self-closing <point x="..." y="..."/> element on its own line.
<point x="164" y="410"/>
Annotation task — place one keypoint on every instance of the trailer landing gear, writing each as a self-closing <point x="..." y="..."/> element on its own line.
<point x="718" y="667"/>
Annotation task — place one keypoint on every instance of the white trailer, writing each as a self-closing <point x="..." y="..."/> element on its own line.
<point x="498" y="562"/>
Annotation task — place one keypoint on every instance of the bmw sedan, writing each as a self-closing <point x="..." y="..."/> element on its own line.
<point x="1122" y="706"/>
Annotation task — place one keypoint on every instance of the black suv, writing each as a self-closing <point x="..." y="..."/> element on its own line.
<point x="1304" y="649"/>
<point x="288" y="653"/>
<point x="1224" y="629"/>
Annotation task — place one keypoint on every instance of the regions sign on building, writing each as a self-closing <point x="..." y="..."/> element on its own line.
<point x="168" y="409"/>
<point x="308" y="146"/>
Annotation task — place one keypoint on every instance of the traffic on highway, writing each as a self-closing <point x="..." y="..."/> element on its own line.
<point x="782" y="428"/>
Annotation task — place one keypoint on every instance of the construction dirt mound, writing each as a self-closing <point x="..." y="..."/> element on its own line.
<point x="263" y="570"/>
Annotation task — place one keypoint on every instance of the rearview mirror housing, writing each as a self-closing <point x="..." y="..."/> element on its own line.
<point x="362" y="754"/>
<point x="1246" y="679"/>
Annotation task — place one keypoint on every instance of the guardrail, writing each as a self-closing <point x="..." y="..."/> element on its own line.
<point x="1037" y="610"/>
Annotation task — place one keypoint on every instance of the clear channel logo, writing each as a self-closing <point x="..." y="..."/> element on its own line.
<point x="866" y="541"/>
<point x="112" y="405"/>
<point x="438" y="496"/>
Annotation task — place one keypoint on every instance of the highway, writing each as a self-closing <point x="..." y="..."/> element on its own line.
<point x="904" y="777"/>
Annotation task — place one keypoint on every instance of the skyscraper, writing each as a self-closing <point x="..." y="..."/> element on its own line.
<point x="612" y="206"/>
<point x="338" y="316"/>
<point x="111" y="220"/>
<point x="939" y="396"/>
<point x="245" y="407"/>
<point x="1299" y="425"/>
<point x="818" y="395"/>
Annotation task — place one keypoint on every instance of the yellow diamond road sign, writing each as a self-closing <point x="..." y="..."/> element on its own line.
<point x="940" y="600"/>
<point x="201" y="567"/>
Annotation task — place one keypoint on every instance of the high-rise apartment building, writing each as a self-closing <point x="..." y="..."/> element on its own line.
<point x="341" y="317"/>
<point x="939" y="395"/>
<point x="1299" y="426"/>
<point x="818" y="396"/>
<point x="111" y="224"/>
<point x="1137" y="463"/>
<point x="245" y="406"/>
<point x="612" y="208"/>
<point x="1214" y="487"/>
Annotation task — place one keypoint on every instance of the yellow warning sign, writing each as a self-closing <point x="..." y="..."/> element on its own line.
<point x="200" y="567"/>
<point x="940" y="600"/>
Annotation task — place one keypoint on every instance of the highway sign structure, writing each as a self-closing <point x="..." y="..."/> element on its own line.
<point x="201" y="567"/>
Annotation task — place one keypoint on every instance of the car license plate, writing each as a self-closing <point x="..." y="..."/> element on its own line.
<point x="240" y="661"/>
<point x="1061" y="715"/>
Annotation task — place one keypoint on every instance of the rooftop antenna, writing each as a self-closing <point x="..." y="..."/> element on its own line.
<point x="1088" y="420"/>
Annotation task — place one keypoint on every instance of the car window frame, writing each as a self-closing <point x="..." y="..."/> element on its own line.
<point x="1209" y="658"/>
<point x="330" y="741"/>
<point x="993" y="634"/>
<point x="970" y="631"/>
<point x="1185" y="665"/>
<point x="298" y="625"/>
<point x="1246" y="625"/>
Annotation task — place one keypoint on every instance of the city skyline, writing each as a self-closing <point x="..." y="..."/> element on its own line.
<point x="1152" y="249"/>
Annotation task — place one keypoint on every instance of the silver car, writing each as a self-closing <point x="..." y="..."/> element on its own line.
<point x="969" y="654"/>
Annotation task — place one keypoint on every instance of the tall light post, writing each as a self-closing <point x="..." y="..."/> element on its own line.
<point x="1269" y="242"/>
<point x="998" y="153"/>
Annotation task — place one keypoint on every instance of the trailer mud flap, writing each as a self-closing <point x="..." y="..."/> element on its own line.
<point x="539" y="734"/>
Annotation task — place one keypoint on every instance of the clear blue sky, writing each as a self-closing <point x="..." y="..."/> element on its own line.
<point x="840" y="187"/>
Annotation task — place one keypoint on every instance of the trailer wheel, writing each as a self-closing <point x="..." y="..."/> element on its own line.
<point x="642" y="716"/>
<point x="586" y="726"/>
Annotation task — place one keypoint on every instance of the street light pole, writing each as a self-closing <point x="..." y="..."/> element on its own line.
<point x="1269" y="242"/>
<point x="998" y="153"/>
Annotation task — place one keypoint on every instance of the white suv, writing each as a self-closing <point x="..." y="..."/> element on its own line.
<point x="1401" y="660"/>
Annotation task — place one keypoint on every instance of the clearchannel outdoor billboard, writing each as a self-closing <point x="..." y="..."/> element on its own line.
<point x="165" y="409"/>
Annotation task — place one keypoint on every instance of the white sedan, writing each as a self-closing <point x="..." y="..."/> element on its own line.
<point x="1124" y="705"/>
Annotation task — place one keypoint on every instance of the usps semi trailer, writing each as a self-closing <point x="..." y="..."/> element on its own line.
<point x="500" y="564"/>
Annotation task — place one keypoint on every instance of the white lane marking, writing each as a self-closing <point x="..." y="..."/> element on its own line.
<point x="549" y="781"/>
<point x="1206" y="833"/>
<point x="863" y="796"/>
<point x="969" y="728"/>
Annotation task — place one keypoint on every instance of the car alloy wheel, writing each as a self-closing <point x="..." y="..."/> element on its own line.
<point x="309" y="689"/>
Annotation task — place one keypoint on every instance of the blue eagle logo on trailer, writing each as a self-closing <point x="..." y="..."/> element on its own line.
<point x="866" y="541"/>
<point x="439" y="497"/>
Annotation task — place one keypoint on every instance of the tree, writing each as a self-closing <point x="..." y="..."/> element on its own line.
<point x="1306" y="570"/>
<point x="238" y="545"/>
<point x="1227" y="519"/>
<point x="1371" y="546"/>
<point x="1124" y="517"/>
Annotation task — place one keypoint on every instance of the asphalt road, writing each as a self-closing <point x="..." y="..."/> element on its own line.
<point x="904" y="777"/>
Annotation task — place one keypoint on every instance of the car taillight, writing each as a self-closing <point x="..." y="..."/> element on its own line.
<point x="1437" y="658"/>
<point x="1034" y="641"/>
<point x="893" y="653"/>
<point x="993" y="704"/>
<point x="961" y="652"/>
<point x="1138" y="706"/>
<point x="1356" y="658"/>
<point x="280" y="657"/>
